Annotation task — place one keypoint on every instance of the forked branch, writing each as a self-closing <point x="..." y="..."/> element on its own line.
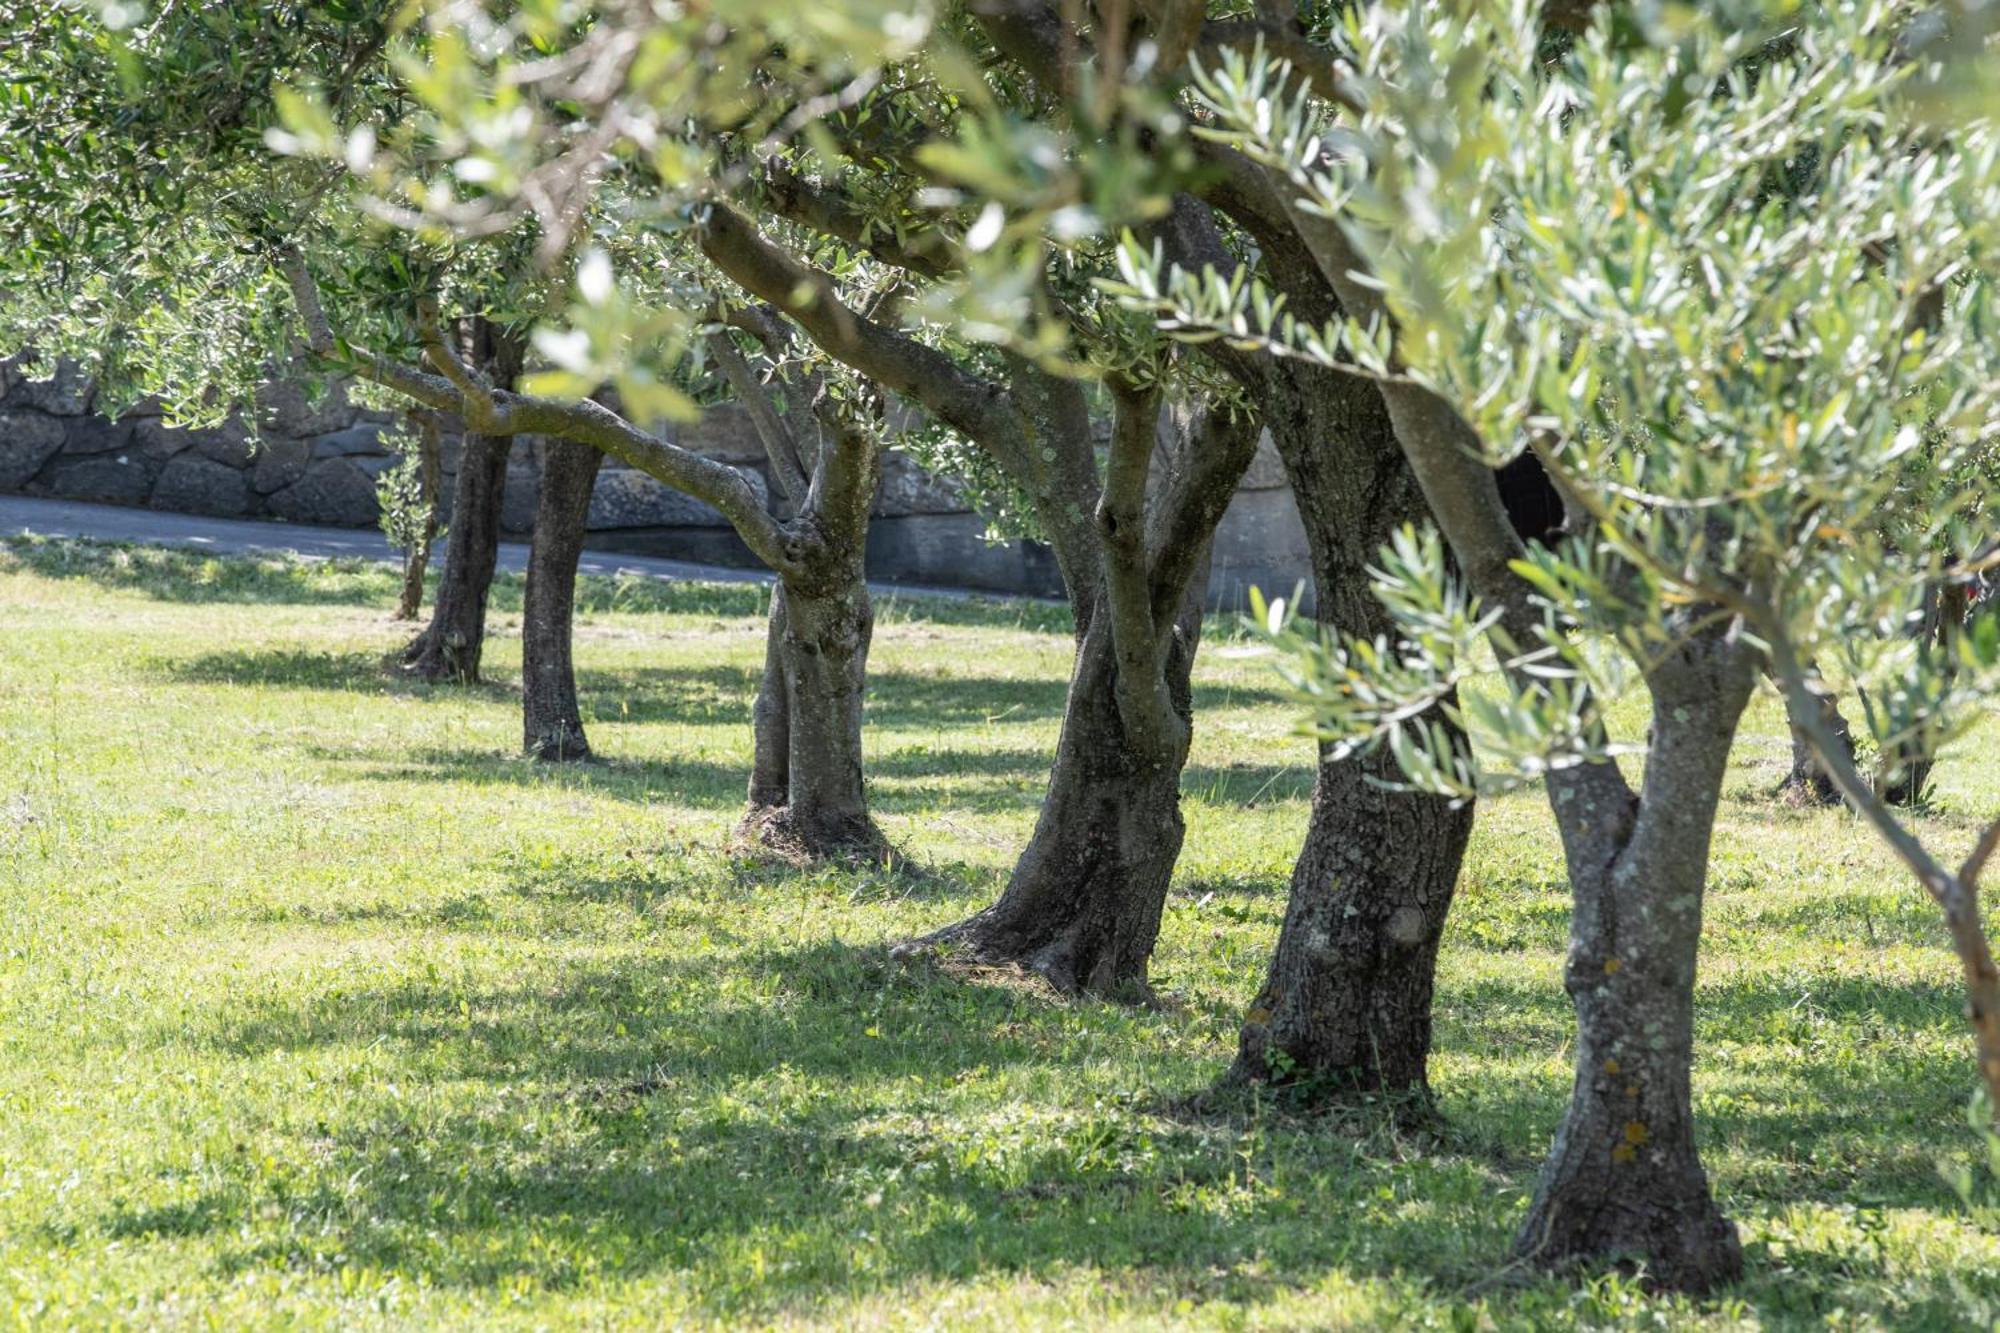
<point x="504" y="412"/>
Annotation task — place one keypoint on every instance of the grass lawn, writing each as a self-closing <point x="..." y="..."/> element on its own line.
<point x="317" y="1007"/>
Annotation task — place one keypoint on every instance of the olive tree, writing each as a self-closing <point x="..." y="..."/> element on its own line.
<point x="1682" y="262"/>
<point x="851" y="233"/>
<point x="190" y="282"/>
<point x="987" y="174"/>
<point x="1345" y="1006"/>
<point x="140" y="198"/>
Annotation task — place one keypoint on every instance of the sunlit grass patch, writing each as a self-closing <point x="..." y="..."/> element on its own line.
<point x="317" y="1005"/>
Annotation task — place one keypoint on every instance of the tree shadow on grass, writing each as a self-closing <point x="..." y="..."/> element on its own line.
<point x="690" y="1114"/>
<point x="722" y="693"/>
<point x="913" y="699"/>
<point x="921" y="760"/>
<point x="719" y="694"/>
<point x="778" y="1128"/>
<point x="1826" y="1091"/>
<point x="173" y="574"/>
<point x="669" y="878"/>
<point x="974" y="782"/>
<point x="285" y="668"/>
<point x="316" y="669"/>
<point x="696" y="782"/>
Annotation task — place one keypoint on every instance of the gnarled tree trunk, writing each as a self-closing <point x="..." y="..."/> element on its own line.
<point x="807" y="793"/>
<point x="450" y="646"/>
<point x="551" y="722"/>
<point x="1623" y="1181"/>
<point x="771" y="720"/>
<point x="1905" y="765"/>
<point x="1903" y="769"/>
<point x="1346" y="1004"/>
<point x="1082" y="907"/>
<point x="1809" y="783"/>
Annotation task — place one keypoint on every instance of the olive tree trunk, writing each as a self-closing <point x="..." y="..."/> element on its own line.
<point x="1905" y="764"/>
<point x="551" y="722"/>
<point x="807" y="795"/>
<point x="1809" y="782"/>
<point x="1903" y="769"/>
<point x="1623" y="1181"/>
<point x="1082" y="907"/>
<point x="807" y="792"/>
<point x="1346" y="1003"/>
<point x="449" y="648"/>
<point x="1345" y="1006"/>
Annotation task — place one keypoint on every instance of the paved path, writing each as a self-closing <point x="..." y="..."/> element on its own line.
<point x="25" y="515"/>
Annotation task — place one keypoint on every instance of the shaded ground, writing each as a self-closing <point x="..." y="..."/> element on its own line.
<point x="317" y="1006"/>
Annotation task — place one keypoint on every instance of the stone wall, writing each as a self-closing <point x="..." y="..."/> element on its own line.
<point x="318" y="463"/>
<point x="305" y="463"/>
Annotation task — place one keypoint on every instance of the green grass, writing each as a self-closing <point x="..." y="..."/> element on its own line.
<point x="319" y="1008"/>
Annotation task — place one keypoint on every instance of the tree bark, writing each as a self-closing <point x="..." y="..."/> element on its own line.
<point x="771" y="720"/>
<point x="1809" y="783"/>
<point x="1082" y="907"/>
<point x="551" y="722"/>
<point x="430" y="472"/>
<point x="1623" y="1181"/>
<point x="1904" y="776"/>
<point x="807" y="796"/>
<point x="449" y="648"/>
<point x="807" y="793"/>
<point x="1345" y="1006"/>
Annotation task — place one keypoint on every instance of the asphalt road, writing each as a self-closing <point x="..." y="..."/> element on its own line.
<point x="26" y="515"/>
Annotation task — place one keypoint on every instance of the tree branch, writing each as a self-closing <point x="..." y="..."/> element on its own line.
<point x="1463" y="494"/>
<point x="1839" y="763"/>
<point x="1443" y="449"/>
<point x="428" y="389"/>
<point x="1982" y="852"/>
<point x="973" y="406"/>
<point x="1035" y="37"/>
<point x="1190" y="240"/>
<point x="845" y="476"/>
<point x="1320" y="68"/>
<point x="1957" y="895"/>
<point x="1208" y="469"/>
<point x="780" y="448"/>
<point x="1144" y="704"/>
<point x="444" y="358"/>
<point x="502" y="412"/>
<point x="927" y="254"/>
<point x="761" y="322"/>
<point x="1016" y="425"/>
